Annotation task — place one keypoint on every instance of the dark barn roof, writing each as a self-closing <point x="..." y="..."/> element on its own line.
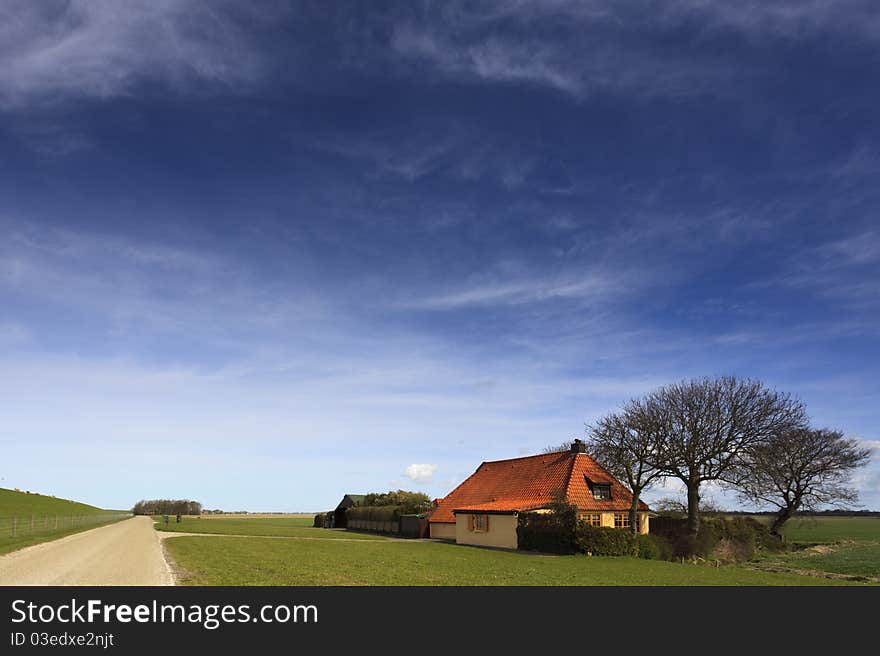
<point x="350" y="500"/>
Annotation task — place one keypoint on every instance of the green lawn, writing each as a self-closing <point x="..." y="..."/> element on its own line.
<point x="291" y="527"/>
<point x="27" y="519"/>
<point x="858" y="560"/>
<point x="834" y="545"/>
<point x="259" y="561"/>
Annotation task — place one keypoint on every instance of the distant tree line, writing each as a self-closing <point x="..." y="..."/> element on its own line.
<point x="167" y="507"/>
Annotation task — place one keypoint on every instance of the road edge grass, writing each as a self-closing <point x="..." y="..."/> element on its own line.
<point x="179" y="576"/>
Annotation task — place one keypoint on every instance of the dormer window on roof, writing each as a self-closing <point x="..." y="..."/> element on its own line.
<point x="601" y="491"/>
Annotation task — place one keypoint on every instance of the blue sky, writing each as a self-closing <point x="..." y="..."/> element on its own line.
<point x="264" y="256"/>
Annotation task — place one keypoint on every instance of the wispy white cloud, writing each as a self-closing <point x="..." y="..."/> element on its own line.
<point x="842" y="270"/>
<point x="142" y="289"/>
<point x="591" y="286"/>
<point x="492" y="59"/>
<point x="52" y="52"/>
<point x="562" y="44"/>
<point x="416" y="149"/>
<point x="861" y="162"/>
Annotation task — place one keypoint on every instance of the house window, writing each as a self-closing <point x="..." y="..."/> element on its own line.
<point x="593" y="519"/>
<point x="601" y="492"/>
<point x="621" y="520"/>
<point x="478" y="523"/>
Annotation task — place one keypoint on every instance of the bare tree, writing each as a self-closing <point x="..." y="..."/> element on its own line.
<point x="801" y="469"/>
<point x="626" y="444"/>
<point x="709" y="424"/>
<point x="565" y="446"/>
<point x="677" y="505"/>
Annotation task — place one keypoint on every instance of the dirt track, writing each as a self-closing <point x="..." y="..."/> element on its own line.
<point x="124" y="553"/>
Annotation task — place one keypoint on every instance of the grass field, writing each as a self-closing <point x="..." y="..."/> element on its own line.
<point x="832" y="529"/>
<point x="27" y="519"/>
<point x="847" y="546"/>
<point x="257" y="561"/>
<point x="291" y="527"/>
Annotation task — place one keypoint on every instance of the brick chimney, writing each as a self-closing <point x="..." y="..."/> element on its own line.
<point x="578" y="446"/>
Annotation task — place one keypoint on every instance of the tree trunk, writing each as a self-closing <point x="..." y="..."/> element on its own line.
<point x="781" y="517"/>
<point x="693" y="491"/>
<point x="634" y="516"/>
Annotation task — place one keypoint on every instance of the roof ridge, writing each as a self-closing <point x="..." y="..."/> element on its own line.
<point x="537" y="455"/>
<point x="567" y="484"/>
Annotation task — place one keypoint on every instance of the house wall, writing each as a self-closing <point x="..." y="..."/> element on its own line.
<point x="443" y="530"/>
<point x="501" y="533"/>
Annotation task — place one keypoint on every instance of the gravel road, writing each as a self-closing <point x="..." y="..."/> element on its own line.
<point x="124" y="553"/>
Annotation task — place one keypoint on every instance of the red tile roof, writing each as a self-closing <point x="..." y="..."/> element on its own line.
<point x="534" y="482"/>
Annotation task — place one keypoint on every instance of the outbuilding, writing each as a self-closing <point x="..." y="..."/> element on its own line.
<point x="348" y="501"/>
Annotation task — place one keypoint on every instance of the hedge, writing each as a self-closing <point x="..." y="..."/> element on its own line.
<point x="736" y="538"/>
<point x="603" y="540"/>
<point x="376" y="513"/>
<point x="547" y="532"/>
<point x="654" y="547"/>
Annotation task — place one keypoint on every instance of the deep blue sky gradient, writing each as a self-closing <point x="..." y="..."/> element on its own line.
<point x="266" y="256"/>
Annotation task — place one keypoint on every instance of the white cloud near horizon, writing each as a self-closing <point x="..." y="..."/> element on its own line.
<point x="420" y="473"/>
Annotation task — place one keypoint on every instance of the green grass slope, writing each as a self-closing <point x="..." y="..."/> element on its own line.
<point x="27" y="518"/>
<point x="20" y="504"/>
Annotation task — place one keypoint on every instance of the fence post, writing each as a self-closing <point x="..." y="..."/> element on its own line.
<point x="13" y="526"/>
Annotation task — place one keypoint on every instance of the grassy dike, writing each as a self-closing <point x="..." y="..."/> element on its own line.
<point x="35" y="518"/>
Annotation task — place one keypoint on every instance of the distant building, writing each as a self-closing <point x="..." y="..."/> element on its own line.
<point x="348" y="501"/>
<point x="484" y="509"/>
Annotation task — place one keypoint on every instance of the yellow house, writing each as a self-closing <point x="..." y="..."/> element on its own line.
<point x="484" y="509"/>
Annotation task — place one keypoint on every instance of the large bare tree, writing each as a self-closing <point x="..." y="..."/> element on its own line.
<point x="801" y="469"/>
<point x="626" y="444"/>
<point x="710" y="423"/>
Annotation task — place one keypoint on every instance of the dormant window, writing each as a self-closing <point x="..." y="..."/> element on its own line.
<point x="621" y="520"/>
<point x="601" y="492"/>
